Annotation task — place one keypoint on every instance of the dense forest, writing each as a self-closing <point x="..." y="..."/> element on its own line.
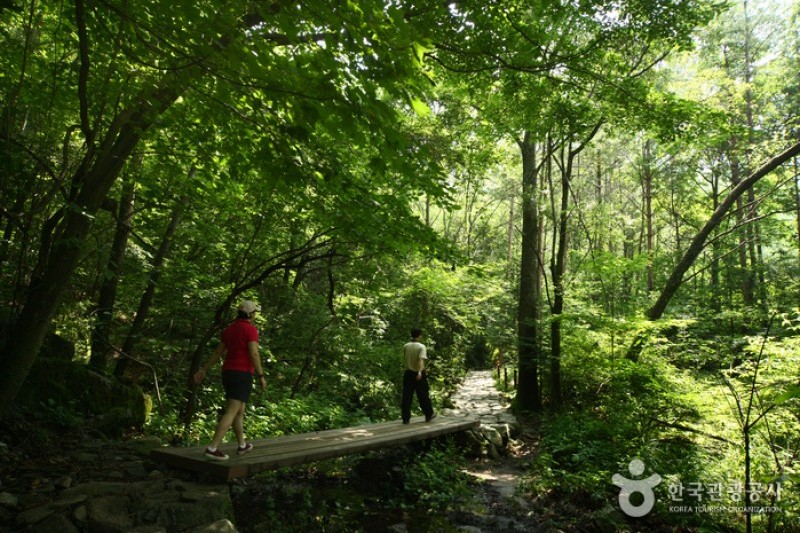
<point x="602" y="197"/>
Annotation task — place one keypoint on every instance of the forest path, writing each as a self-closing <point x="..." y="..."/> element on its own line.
<point x="504" y="506"/>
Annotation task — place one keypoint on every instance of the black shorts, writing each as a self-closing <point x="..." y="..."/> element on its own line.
<point x="237" y="385"/>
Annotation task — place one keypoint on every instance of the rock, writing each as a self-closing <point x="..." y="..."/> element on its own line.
<point x="493" y="436"/>
<point x="109" y="514"/>
<point x="70" y="501"/>
<point x="220" y="526"/>
<point x="30" y="517"/>
<point x="63" y="482"/>
<point x="81" y="514"/>
<point x="135" y="469"/>
<point x="493" y="451"/>
<point x="115" y="406"/>
<point x="120" y="488"/>
<point x="8" y="500"/>
<point x="86" y="457"/>
<point x="143" y="445"/>
<point x="179" y="516"/>
<point x="55" y="522"/>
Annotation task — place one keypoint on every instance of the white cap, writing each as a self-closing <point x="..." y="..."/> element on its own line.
<point x="249" y="306"/>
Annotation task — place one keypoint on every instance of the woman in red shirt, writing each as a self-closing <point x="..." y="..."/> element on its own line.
<point x="240" y="346"/>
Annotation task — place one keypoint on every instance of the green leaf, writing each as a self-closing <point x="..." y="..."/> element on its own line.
<point x="793" y="391"/>
<point x="420" y="107"/>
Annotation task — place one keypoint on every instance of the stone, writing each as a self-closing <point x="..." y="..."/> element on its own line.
<point x="179" y="516"/>
<point x="63" y="382"/>
<point x="55" y="522"/>
<point x="69" y="501"/>
<point x="109" y="514"/>
<point x="81" y="514"/>
<point x="8" y="500"/>
<point x="135" y="469"/>
<point x="493" y="436"/>
<point x="63" y="482"/>
<point x="220" y="526"/>
<point x="194" y="493"/>
<point x="106" y="488"/>
<point x="143" y="445"/>
<point x="32" y="516"/>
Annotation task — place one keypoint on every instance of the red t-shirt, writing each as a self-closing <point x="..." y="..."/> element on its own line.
<point x="235" y="338"/>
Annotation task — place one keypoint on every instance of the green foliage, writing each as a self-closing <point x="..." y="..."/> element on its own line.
<point x="435" y="480"/>
<point x="678" y="418"/>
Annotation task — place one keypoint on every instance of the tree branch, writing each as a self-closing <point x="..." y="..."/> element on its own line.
<point x="696" y="247"/>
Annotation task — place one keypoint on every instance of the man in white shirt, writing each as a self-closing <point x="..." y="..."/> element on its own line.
<point x="415" y="379"/>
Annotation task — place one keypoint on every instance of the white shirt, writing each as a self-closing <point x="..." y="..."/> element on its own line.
<point x="413" y="353"/>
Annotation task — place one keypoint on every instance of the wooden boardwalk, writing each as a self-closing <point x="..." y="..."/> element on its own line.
<point x="277" y="452"/>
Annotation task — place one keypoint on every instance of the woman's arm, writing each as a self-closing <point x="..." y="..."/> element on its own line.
<point x="200" y="374"/>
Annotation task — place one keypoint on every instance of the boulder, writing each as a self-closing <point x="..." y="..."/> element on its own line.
<point x="68" y="385"/>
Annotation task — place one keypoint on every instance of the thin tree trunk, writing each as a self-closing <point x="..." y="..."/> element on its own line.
<point x="101" y="334"/>
<point x="744" y="274"/>
<point x="753" y="229"/>
<point x="716" y="289"/>
<point x="152" y="282"/>
<point x="797" y="202"/>
<point x="647" y="198"/>
<point x="558" y="268"/>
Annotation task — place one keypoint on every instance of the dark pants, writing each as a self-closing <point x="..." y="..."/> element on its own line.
<point x="411" y="385"/>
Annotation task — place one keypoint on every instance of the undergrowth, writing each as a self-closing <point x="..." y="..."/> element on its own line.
<point x="681" y="416"/>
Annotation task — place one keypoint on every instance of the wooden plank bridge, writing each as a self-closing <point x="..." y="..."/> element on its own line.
<point x="277" y="452"/>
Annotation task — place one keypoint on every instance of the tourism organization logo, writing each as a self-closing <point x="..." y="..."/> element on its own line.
<point x="629" y="487"/>
<point x="694" y="497"/>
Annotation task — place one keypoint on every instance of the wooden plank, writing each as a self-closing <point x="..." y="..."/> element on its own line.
<point x="277" y="452"/>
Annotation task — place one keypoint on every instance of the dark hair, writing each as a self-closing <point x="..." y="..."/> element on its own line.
<point x="242" y="314"/>
<point x="415" y="332"/>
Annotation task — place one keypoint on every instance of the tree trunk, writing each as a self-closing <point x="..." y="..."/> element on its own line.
<point x="647" y="200"/>
<point x="558" y="268"/>
<point x="797" y="202"/>
<point x="152" y="282"/>
<point x="716" y="288"/>
<point x="745" y="274"/>
<point x="698" y="242"/>
<point x="510" y="237"/>
<point x="101" y="334"/>
<point x="528" y="394"/>
<point x="92" y="182"/>
<point x="754" y="241"/>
